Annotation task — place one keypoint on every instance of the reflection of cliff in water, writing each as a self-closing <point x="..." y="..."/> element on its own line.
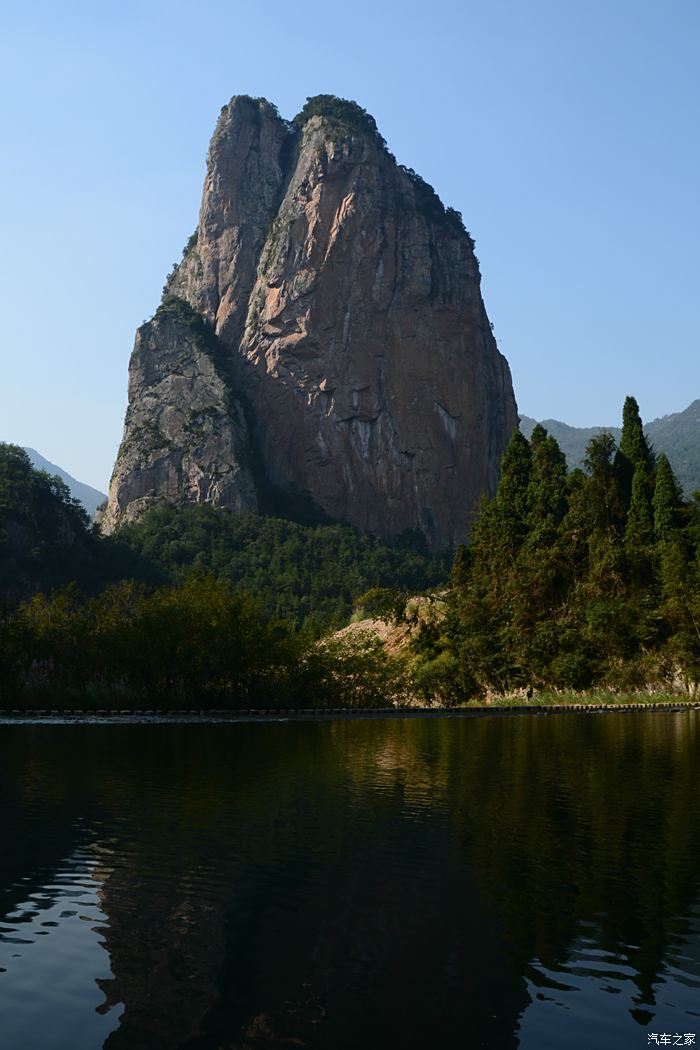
<point x="251" y="899"/>
<point x="372" y="883"/>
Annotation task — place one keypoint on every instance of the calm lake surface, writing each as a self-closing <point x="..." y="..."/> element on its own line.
<point x="498" y="882"/>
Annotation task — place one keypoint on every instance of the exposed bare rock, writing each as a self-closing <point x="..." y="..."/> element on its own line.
<point x="185" y="435"/>
<point x="347" y="304"/>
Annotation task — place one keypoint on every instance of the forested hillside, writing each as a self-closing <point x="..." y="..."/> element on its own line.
<point x="308" y="575"/>
<point x="44" y="536"/>
<point x="89" y="497"/>
<point x="571" y="580"/>
<point x="575" y="580"/>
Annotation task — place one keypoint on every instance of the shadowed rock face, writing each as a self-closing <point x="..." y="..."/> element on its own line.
<point x="352" y="337"/>
<point x="185" y="435"/>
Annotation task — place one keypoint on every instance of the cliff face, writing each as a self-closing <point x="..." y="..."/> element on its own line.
<point x="185" y="434"/>
<point x="354" y="372"/>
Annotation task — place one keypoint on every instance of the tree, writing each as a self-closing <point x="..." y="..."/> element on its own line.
<point x="640" y="523"/>
<point x="601" y="490"/>
<point x="666" y="500"/>
<point x="633" y="443"/>
<point x="511" y="501"/>
<point x="561" y="586"/>
<point x="634" y="450"/>
<point x="546" y="497"/>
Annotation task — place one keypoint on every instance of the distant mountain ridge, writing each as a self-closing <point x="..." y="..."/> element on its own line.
<point x="677" y="435"/>
<point x="88" y="496"/>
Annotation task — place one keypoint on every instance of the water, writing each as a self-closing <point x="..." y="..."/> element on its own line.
<point x="503" y="882"/>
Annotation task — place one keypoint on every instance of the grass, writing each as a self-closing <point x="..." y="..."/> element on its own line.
<point x="598" y="697"/>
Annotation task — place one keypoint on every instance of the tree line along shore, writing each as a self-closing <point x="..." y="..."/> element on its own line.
<point x="574" y="585"/>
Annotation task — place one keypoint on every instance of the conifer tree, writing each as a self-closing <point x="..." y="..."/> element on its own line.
<point x="666" y="501"/>
<point x="513" y="490"/>
<point x="633" y="443"/>
<point x="634" y="450"/>
<point x="546" y="498"/>
<point x="537" y="436"/>
<point x="640" y="523"/>
<point x="601" y="490"/>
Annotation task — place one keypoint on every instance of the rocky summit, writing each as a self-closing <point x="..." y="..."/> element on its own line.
<point x="322" y="351"/>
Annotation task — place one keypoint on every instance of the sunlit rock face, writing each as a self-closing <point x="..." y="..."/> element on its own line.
<point x="355" y="375"/>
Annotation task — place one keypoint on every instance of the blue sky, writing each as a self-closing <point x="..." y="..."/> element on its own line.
<point x="565" y="131"/>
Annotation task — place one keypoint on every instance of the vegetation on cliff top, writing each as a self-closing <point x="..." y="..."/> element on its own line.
<point x="351" y="115"/>
<point x="175" y="309"/>
<point x="343" y="111"/>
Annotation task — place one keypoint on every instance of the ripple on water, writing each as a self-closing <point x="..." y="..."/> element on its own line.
<point x="596" y="995"/>
<point x="374" y="884"/>
<point x="51" y="982"/>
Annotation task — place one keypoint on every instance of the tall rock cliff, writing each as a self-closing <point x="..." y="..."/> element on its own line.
<point x="323" y="348"/>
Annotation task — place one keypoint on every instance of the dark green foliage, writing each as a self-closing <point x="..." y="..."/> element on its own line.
<point x="666" y="501"/>
<point x="567" y="582"/>
<point x="546" y="494"/>
<point x="384" y="603"/>
<point x="633" y="443"/>
<point x="311" y="576"/>
<point x="678" y="435"/>
<point x="603" y="498"/>
<point x="680" y="581"/>
<point x="574" y="581"/>
<point x="640" y="524"/>
<point x="633" y="458"/>
<point x="44" y="537"/>
<point x="431" y="207"/>
<point x="203" y="643"/>
<point x="182" y="623"/>
<point x="512" y="498"/>
<point x="343" y="111"/>
<point x="191" y="243"/>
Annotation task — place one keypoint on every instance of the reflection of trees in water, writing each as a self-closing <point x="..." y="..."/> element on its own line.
<point x="245" y="895"/>
<point x="566" y="820"/>
<point x="40" y="823"/>
<point x="383" y="881"/>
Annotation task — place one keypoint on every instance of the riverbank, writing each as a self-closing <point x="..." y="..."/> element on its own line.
<point x="204" y="715"/>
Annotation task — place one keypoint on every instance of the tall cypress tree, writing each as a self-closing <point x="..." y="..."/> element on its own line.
<point x="633" y="443"/>
<point x="547" y="488"/>
<point x="537" y="436"/>
<point x="666" y="501"/>
<point x="634" y="450"/>
<point x="640" y="522"/>
<point x="513" y="488"/>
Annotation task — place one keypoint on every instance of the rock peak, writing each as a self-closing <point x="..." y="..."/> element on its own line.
<point x="325" y="351"/>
